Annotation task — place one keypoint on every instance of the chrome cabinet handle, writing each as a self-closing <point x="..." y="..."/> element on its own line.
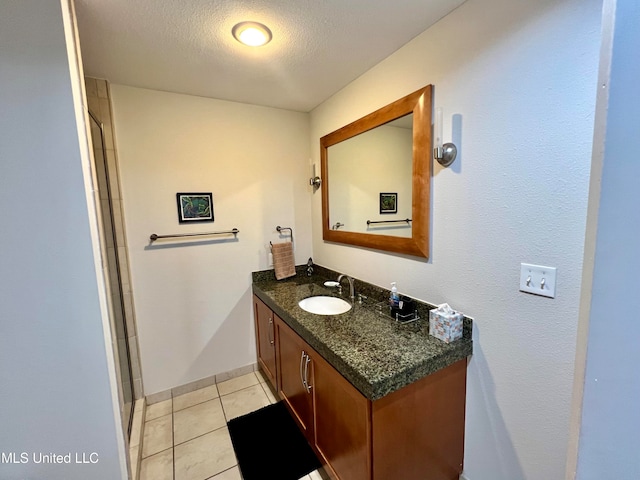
<point x="301" y="367"/>
<point x="306" y="374"/>
<point x="270" y="333"/>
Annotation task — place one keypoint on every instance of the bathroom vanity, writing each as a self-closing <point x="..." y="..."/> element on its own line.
<point x="375" y="399"/>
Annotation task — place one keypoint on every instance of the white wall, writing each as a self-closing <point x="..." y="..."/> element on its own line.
<point x="609" y="442"/>
<point x="193" y="299"/>
<point x="517" y="82"/>
<point x="57" y="377"/>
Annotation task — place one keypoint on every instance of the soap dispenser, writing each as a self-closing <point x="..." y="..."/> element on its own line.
<point x="394" y="298"/>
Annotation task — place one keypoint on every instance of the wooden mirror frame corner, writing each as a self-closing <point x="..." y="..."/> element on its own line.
<point x="420" y="104"/>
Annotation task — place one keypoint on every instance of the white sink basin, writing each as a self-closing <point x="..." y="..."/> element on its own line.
<point x="323" y="305"/>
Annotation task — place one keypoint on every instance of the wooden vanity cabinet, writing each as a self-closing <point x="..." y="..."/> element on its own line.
<point x="265" y="339"/>
<point x="333" y="415"/>
<point x="414" y="433"/>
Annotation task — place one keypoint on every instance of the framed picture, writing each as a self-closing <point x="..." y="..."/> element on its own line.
<point x="195" y="207"/>
<point x="388" y="203"/>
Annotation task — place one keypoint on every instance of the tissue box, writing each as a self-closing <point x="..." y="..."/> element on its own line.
<point x="445" y="323"/>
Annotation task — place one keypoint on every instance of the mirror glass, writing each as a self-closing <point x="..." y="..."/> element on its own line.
<point x="370" y="186"/>
<point x="376" y="175"/>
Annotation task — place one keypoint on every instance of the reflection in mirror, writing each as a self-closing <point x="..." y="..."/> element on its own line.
<point x="364" y="167"/>
<point x="377" y="155"/>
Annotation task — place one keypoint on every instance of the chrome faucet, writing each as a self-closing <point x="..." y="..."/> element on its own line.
<point x="310" y="267"/>
<point x="352" y="291"/>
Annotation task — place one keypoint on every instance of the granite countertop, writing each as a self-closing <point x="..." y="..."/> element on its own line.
<point x="374" y="352"/>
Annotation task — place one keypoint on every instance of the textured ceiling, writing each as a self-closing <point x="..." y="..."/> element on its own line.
<point x="186" y="46"/>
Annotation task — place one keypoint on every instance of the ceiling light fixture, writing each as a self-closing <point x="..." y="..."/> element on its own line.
<point x="253" y="34"/>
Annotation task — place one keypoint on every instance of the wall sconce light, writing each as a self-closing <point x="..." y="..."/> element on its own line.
<point x="315" y="181"/>
<point x="446" y="153"/>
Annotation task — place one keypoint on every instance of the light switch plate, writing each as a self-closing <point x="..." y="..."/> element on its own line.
<point x="538" y="280"/>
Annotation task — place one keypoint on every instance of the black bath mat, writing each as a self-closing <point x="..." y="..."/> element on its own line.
<point x="268" y="444"/>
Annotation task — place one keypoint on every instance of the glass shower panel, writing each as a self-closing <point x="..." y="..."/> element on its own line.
<point x="111" y="269"/>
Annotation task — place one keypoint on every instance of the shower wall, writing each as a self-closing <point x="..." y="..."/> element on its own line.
<point x="100" y="105"/>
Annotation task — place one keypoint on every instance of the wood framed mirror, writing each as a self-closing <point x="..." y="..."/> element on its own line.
<point x="363" y="175"/>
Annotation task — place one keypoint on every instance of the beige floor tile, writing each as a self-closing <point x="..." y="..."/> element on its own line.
<point x="193" y="398"/>
<point x="136" y="424"/>
<point x="136" y="433"/>
<point x="318" y="475"/>
<point x="158" y="466"/>
<point x="158" y="435"/>
<point x="134" y="454"/>
<point x="261" y="377"/>
<point x="205" y="456"/>
<point x="197" y="420"/>
<point x="238" y="383"/>
<point x="272" y="398"/>
<point x="158" y="410"/>
<point x="231" y="474"/>
<point x="244" y="401"/>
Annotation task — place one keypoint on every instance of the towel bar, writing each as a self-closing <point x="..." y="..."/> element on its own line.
<point x="370" y="222"/>
<point x="153" y="237"/>
<point x="280" y="229"/>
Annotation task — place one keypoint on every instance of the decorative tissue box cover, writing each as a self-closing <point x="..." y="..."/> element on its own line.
<point x="445" y="323"/>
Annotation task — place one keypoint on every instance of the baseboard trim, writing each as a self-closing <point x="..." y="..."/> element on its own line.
<point x="198" y="384"/>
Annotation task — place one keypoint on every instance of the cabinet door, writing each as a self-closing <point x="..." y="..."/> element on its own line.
<point x="265" y="339"/>
<point x="342" y="424"/>
<point x="294" y="367"/>
<point x="423" y="424"/>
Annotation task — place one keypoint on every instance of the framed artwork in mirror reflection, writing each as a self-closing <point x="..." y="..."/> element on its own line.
<point x="388" y="203"/>
<point x="195" y="207"/>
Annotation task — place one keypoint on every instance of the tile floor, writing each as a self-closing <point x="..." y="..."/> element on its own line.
<point x="186" y="437"/>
